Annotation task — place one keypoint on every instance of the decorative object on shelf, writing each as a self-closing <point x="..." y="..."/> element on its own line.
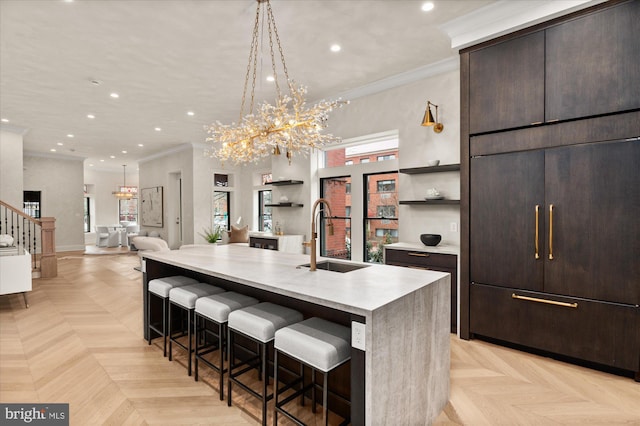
<point x="428" y="118"/>
<point x="433" y="194"/>
<point x="432" y="163"/>
<point x="284" y="199"/>
<point x="430" y="239"/>
<point x="288" y="124"/>
<point x="125" y="192"/>
<point x="212" y="234"/>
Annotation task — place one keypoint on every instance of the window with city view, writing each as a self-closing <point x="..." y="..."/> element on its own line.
<point x="378" y="204"/>
<point x="381" y="220"/>
<point x="337" y="191"/>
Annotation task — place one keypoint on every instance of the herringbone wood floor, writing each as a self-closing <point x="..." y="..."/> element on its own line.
<point x="81" y="342"/>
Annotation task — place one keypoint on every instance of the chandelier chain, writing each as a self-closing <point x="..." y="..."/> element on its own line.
<point x="275" y="32"/>
<point x="273" y="60"/>
<point x="252" y="54"/>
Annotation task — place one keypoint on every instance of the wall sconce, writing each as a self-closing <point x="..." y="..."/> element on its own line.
<point x="428" y="118"/>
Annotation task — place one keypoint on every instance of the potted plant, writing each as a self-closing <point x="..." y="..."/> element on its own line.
<point x="212" y="234"/>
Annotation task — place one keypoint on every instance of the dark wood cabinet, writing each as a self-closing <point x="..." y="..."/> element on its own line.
<point x="550" y="235"/>
<point x="510" y="73"/>
<point x="263" y="243"/>
<point x="584" y="67"/>
<point x="574" y="327"/>
<point x="431" y="261"/>
<point x="591" y="64"/>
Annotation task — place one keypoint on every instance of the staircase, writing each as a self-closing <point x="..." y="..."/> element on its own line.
<point x="34" y="236"/>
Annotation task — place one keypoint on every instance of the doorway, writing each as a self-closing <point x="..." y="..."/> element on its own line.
<point x="174" y="210"/>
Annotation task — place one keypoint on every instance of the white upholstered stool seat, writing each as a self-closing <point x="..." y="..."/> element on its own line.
<point x="317" y="343"/>
<point x="160" y="287"/>
<point x="184" y="298"/>
<point x="215" y="310"/>
<point x="259" y="323"/>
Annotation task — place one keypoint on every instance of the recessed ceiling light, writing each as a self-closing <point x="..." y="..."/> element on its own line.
<point x="91" y="116"/>
<point x="90" y="164"/>
<point x="102" y="161"/>
<point x="158" y="129"/>
<point x="140" y="145"/>
<point x="124" y="152"/>
<point x="112" y="156"/>
<point x="70" y="135"/>
<point x="191" y="113"/>
<point x="427" y="6"/>
<point x="335" y="48"/>
<point x="5" y="120"/>
<point x="271" y="78"/>
<point x="114" y="95"/>
<point x="60" y="144"/>
<point x="52" y="150"/>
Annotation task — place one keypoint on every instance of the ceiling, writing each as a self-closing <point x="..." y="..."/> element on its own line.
<point x="60" y="61"/>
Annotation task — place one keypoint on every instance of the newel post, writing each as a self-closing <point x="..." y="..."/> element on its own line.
<point x="48" y="261"/>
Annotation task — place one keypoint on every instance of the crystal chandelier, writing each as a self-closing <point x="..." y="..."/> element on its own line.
<point x="125" y="192"/>
<point x="289" y="125"/>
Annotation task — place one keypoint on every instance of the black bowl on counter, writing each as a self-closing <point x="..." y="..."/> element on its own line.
<point x="430" y="239"/>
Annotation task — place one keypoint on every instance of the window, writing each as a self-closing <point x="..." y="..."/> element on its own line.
<point x="371" y="148"/>
<point x="383" y="233"/>
<point x="128" y="210"/>
<point x="347" y="187"/>
<point x="221" y="208"/>
<point x="265" y="222"/>
<point x="31" y="203"/>
<point x="337" y="245"/>
<point x="381" y="221"/>
<point x="387" y="186"/>
<point x="386" y="211"/>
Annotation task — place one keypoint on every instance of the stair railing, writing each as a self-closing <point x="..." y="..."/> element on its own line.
<point x="37" y="236"/>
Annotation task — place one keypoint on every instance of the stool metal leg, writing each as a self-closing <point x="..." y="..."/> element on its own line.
<point x="231" y="363"/>
<point x="325" y="398"/>
<point x="265" y="382"/>
<point x="170" y="327"/>
<point x="275" y="386"/>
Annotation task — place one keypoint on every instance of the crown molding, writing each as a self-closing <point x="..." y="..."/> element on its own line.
<point x="450" y="64"/>
<point x="52" y="156"/>
<point x="12" y="128"/>
<point x="178" y="148"/>
<point x="507" y="16"/>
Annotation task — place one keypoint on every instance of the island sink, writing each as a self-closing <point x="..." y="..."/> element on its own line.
<point x="328" y="265"/>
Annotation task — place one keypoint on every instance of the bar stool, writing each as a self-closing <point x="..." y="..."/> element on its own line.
<point x="257" y="323"/>
<point x="319" y="344"/>
<point x="215" y="309"/>
<point x="160" y="288"/>
<point x="184" y="298"/>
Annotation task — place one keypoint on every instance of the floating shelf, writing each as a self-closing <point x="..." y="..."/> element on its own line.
<point x="427" y="202"/>
<point x="284" y="205"/>
<point x="285" y="182"/>
<point x="431" y="169"/>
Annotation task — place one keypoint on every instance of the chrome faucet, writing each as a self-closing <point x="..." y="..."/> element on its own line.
<point x="314" y="234"/>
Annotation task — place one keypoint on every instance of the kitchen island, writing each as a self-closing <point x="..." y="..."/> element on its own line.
<point x="402" y="375"/>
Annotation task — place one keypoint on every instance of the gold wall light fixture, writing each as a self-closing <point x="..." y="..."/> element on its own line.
<point x="428" y="118"/>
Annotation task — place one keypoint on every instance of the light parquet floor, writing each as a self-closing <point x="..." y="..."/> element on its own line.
<point x="81" y="343"/>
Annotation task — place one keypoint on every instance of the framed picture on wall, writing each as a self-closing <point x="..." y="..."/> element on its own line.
<point x="151" y="207"/>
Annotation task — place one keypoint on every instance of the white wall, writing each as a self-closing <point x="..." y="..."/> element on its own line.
<point x="403" y="108"/>
<point x="61" y="183"/>
<point x="11" y="184"/>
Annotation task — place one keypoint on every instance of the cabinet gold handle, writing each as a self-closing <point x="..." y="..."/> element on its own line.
<point x="550" y="231"/>
<point x="419" y="254"/>
<point x="548" y="302"/>
<point x="537" y="254"/>
<point x="553" y="121"/>
<point x="535" y="123"/>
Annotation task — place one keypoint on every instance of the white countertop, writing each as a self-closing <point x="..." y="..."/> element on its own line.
<point x="440" y="248"/>
<point x="360" y="292"/>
